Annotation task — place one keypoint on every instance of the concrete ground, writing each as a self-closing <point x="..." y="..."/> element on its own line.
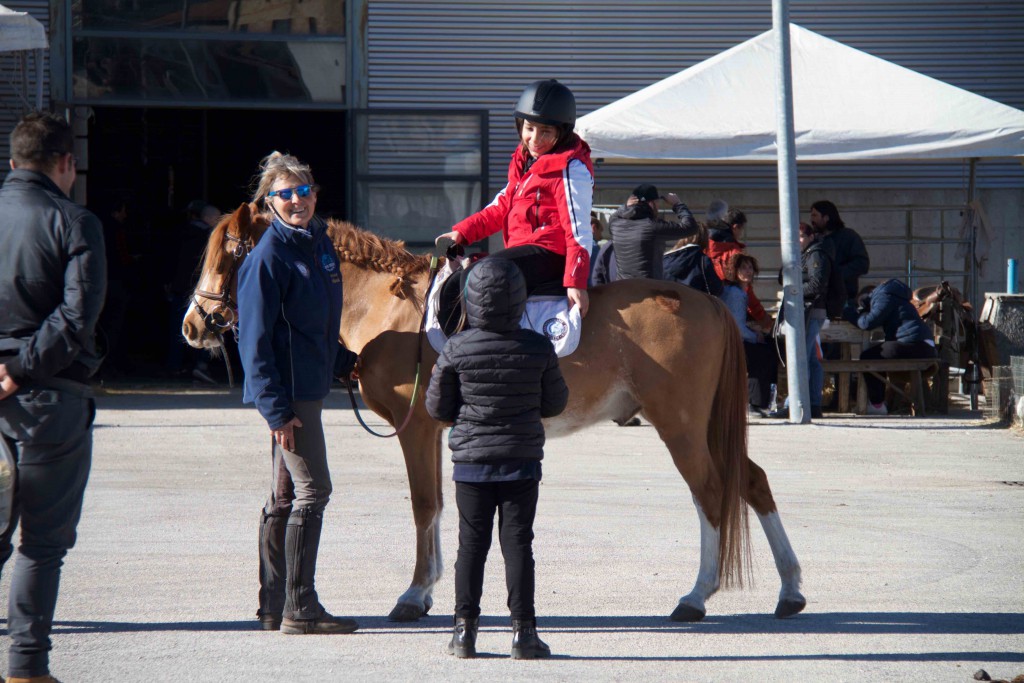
<point x="909" y="532"/>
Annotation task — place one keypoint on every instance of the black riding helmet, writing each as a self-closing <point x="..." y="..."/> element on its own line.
<point x="547" y="102"/>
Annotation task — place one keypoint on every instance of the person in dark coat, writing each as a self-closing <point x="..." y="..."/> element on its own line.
<point x="687" y="264"/>
<point x="906" y="335"/>
<point x="605" y="270"/>
<point x="53" y="276"/>
<point x="495" y="381"/>
<point x="851" y="257"/>
<point x="640" y="235"/>
<point x="816" y="264"/>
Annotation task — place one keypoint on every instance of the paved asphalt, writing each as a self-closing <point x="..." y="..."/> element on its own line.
<point x="909" y="536"/>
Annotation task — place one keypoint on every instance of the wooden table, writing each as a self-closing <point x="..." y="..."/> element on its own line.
<point x="852" y="340"/>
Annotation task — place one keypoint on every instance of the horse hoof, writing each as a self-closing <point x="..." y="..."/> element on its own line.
<point x="787" y="608"/>
<point x="405" y="611"/>
<point x="686" y="613"/>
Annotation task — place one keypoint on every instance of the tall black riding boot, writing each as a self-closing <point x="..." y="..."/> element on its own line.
<point x="302" y="610"/>
<point x="463" y="643"/>
<point x="525" y="642"/>
<point x="273" y="570"/>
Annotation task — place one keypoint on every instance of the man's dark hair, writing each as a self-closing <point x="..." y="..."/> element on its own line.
<point x="39" y="139"/>
<point x="735" y="217"/>
<point x="827" y="208"/>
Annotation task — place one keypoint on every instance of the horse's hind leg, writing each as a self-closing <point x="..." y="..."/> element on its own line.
<point x="759" y="496"/>
<point x="691" y="606"/>
<point x="693" y="460"/>
<point x="421" y="446"/>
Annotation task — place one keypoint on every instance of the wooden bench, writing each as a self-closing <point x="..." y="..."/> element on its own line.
<point x="916" y="367"/>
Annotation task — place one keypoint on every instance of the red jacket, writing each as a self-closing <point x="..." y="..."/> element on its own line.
<point x="721" y="253"/>
<point x="548" y="206"/>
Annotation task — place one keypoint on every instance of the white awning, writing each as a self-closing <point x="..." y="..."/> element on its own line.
<point x="848" y="105"/>
<point x="19" y="31"/>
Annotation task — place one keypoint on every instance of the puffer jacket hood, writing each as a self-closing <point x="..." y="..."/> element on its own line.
<point x="892" y="311"/>
<point x="892" y="288"/>
<point x="495" y="295"/>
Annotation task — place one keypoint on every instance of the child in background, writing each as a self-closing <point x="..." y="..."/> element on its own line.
<point x="495" y="381"/>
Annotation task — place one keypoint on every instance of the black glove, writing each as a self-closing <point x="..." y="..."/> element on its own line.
<point x="344" y="363"/>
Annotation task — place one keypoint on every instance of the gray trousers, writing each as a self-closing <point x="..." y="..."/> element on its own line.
<point x="49" y="432"/>
<point x="299" y="491"/>
<point x="300" y="478"/>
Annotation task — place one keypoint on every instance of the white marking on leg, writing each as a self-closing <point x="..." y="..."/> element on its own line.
<point x="785" y="558"/>
<point x="422" y="596"/>
<point x="707" y="577"/>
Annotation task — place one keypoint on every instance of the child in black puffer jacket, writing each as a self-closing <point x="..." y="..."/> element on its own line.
<point x="495" y="381"/>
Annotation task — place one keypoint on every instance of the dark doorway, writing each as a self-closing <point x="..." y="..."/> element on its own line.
<point x="155" y="162"/>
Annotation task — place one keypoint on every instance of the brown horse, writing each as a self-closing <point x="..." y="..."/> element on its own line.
<point x="656" y="348"/>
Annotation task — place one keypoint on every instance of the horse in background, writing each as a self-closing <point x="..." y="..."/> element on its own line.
<point x="656" y="348"/>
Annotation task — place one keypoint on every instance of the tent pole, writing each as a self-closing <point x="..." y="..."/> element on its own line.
<point x="789" y="215"/>
<point x="972" y="270"/>
<point x="38" y="56"/>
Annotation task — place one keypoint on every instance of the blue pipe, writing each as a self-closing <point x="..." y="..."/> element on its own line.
<point x="1011" y="276"/>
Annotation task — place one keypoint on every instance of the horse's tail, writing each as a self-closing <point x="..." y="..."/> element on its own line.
<point x="727" y="441"/>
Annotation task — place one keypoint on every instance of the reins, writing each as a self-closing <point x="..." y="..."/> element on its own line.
<point x="442" y="247"/>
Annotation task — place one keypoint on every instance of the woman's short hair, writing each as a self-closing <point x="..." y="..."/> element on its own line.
<point x="732" y="267"/>
<point x="276" y="165"/>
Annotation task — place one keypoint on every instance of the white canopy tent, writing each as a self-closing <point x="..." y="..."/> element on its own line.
<point x="848" y="105"/>
<point x="20" y="32"/>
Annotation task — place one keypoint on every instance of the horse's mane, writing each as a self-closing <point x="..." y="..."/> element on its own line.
<point x="367" y="250"/>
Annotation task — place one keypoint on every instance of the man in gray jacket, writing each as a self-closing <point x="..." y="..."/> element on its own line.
<point x="639" y="236"/>
<point x="52" y="284"/>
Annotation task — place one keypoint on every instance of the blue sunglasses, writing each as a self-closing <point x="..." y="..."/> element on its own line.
<point x="302" y="190"/>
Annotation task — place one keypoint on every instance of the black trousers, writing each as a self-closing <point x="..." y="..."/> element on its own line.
<point x="49" y="434"/>
<point x="516" y="503"/>
<point x="891" y="349"/>
<point x="542" y="269"/>
<point x="762" y="372"/>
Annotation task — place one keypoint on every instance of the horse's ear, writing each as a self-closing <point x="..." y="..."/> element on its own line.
<point x="243" y="215"/>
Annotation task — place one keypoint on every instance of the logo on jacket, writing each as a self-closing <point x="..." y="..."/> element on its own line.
<point x="328" y="263"/>
<point x="302" y="268"/>
<point x="555" y="328"/>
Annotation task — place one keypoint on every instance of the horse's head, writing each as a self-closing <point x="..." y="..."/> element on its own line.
<point x="213" y="309"/>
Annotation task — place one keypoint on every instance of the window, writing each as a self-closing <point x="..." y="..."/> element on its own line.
<point x="262" y="16"/>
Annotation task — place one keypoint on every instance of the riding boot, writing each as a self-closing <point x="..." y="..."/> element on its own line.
<point x="273" y="570"/>
<point x="303" y="612"/>
<point x="525" y="642"/>
<point x="463" y="644"/>
<point x="450" y="311"/>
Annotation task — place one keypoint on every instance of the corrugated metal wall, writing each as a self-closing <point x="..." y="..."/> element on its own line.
<point x="10" y="102"/>
<point x="463" y="53"/>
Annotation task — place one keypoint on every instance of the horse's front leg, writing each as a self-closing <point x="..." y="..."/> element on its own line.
<point x="421" y="446"/>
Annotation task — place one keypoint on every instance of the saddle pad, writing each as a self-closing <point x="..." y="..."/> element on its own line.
<point x="547" y="315"/>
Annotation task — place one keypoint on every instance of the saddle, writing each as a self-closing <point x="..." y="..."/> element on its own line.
<point x="546" y="314"/>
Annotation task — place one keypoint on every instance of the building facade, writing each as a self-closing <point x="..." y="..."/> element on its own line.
<point x="404" y="107"/>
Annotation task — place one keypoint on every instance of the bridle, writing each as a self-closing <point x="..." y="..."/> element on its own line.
<point x="214" y="319"/>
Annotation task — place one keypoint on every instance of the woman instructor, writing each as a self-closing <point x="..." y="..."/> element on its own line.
<point x="289" y="302"/>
